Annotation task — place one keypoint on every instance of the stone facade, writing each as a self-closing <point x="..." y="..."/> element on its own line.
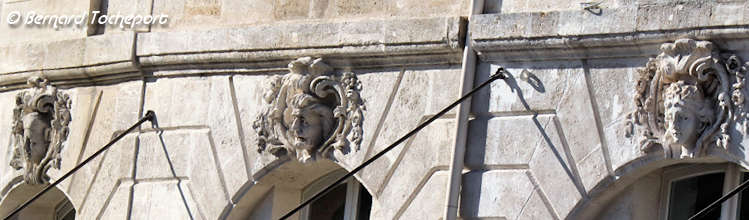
<point x="258" y="102"/>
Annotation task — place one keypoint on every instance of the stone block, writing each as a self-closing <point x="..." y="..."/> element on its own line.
<point x="418" y="162"/>
<point x="543" y="92"/>
<point x="249" y="92"/>
<point x="10" y="34"/>
<point x="290" y="9"/>
<point x="111" y="168"/>
<point x="592" y="168"/>
<point x="117" y="207"/>
<point x="504" y="140"/>
<point x="174" y="202"/>
<point x="171" y="97"/>
<point x="576" y="116"/>
<point x="127" y="8"/>
<point x="360" y="7"/>
<point x="536" y="208"/>
<point x="190" y="153"/>
<point x="406" y="112"/>
<point x="554" y="174"/>
<point x="118" y="110"/>
<point x="613" y="85"/>
<point x="430" y="200"/>
<point x="203" y="103"/>
<point x="494" y="194"/>
<point x="673" y="15"/>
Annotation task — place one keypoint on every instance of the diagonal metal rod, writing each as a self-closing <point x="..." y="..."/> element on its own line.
<point x="149" y="117"/>
<point x="718" y="202"/>
<point x="500" y="74"/>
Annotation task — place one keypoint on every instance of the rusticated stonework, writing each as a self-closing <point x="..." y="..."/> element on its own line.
<point x="310" y="112"/>
<point x="688" y="99"/>
<point x="40" y="126"/>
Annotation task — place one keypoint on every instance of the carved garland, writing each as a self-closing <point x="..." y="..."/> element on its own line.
<point x="688" y="99"/>
<point x="310" y="112"/>
<point x="40" y="126"/>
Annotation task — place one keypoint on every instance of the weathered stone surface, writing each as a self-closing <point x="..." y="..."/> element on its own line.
<point x="406" y="112"/>
<point x="112" y="167"/>
<point x="189" y="152"/>
<point x="619" y="31"/>
<point x="610" y="79"/>
<point x="542" y="93"/>
<point x="170" y="203"/>
<point x="117" y="208"/>
<point x="535" y="208"/>
<point x="430" y="197"/>
<point x="592" y="168"/>
<point x="418" y="162"/>
<point x="503" y="141"/>
<point x="249" y="95"/>
<point x="118" y="110"/>
<point x="190" y="14"/>
<point x="292" y="36"/>
<point x="14" y="34"/>
<point x="553" y="172"/>
<point x="211" y="106"/>
<point x="379" y="91"/>
<point x="495" y="194"/>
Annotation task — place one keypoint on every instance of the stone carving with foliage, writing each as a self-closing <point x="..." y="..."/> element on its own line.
<point x="310" y="112"/>
<point x="40" y="126"/>
<point x="689" y="99"/>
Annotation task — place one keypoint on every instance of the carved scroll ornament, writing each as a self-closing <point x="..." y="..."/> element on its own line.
<point x="40" y="126"/>
<point x="310" y="112"/>
<point x="688" y="99"/>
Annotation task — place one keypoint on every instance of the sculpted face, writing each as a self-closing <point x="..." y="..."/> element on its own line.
<point x="686" y="114"/>
<point x="683" y="125"/>
<point x="309" y="122"/>
<point x="35" y="135"/>
<point x="306" y="129"/>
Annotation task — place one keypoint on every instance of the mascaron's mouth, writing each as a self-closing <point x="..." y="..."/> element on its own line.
<point x="301" y="139"/>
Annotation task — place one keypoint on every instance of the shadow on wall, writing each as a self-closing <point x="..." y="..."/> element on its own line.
<point x="155" y="125"/>
<point x="479" y="128"/>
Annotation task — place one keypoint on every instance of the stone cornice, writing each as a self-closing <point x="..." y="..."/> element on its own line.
<point x="120" y="56"/>
<point x="633" y="31"/>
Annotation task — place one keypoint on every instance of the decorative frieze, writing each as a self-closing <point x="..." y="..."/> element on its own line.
<point x="310" y="112"/>
<point x="688" y="99"/>
<point x="40" y="126"/>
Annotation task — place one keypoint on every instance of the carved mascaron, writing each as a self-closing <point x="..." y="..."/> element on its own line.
<point x="689" y="99"/>
<point x="40" y="126"/>
<point x="310" y="112"/>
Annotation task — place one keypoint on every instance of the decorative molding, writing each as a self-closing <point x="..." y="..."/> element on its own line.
<point x="634" y="30"/>
<point x="689" y="99"/>
<point x="256" y="49"/>
<point x="40" y="126"/>
<point x="310" y="112"/>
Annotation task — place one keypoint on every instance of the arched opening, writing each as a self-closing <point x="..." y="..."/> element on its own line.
<point x="289" y="184"/>
<point x="678" y="192"/>
<point x="53" y="205"/>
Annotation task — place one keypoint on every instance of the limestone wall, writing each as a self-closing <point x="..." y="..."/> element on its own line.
<point x="548" y="143"/>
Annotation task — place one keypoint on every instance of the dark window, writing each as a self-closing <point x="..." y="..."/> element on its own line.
<point x="689" y="196"/>
<point x="365" y="204"/>
<point x="330" y="206"/>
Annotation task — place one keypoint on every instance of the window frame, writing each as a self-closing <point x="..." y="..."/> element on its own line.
<point x="63" y="209"/>
<point x="732" y="179"/>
